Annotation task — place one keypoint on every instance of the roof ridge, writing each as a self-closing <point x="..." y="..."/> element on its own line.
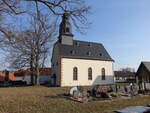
<point x="88" y="42"/>
<point x="145" y="61"/>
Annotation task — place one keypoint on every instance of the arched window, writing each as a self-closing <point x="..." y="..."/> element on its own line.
<point x="75" y="73"/>
<point x="67" y="29"/>
<point x="90" y="74"/>
<point x="89" y="53"/>
<point x="103" y="74"/>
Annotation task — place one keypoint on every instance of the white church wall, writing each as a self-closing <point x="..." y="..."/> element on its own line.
<point x="67" y="66"/>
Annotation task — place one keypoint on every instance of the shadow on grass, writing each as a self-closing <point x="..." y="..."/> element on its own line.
<point x="48" y="85"/>
<point x="16" y="86"/>
<point x="59" y="96"/>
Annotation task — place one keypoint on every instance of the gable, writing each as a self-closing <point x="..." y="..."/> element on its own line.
<point x="147" y="65"/>
<point x="143" y="69"/>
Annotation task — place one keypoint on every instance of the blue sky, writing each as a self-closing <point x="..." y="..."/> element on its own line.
<point x="123" y="27"/>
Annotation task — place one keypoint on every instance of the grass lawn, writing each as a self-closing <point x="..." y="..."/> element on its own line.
<point x="45" y="100"/>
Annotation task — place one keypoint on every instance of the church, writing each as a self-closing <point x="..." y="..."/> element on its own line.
<point x="79" y="63"/>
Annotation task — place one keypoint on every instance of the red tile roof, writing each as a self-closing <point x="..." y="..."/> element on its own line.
<point x="11" y="76"/>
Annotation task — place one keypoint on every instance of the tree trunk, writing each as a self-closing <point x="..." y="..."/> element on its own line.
<point x="31" y="70"/>
<point x="37" y="64"/>
<point x="37" y="75"/>
<point x="37" y="51"/>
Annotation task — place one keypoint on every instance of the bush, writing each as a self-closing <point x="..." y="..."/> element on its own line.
<point x="147" y="91"/>
<point x="144" y="91"/>
<point x="104" y="95"/>
<point x="113" y="95"/>
<point x="110" y="89"/>
<point x="18" y="83"/>
<point x="141" y="91"/>
<point x="5" y="84"/>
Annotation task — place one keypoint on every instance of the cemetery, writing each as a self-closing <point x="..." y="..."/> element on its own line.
<point x="45" y="100"/>
<point x="104" y="93"/>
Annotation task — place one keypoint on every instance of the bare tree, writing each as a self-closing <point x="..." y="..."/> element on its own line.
<point x="30" y="48"/>
<point x="10" y="6"/>
<point x="127" y="69"/>
<point x="77" y="9"/>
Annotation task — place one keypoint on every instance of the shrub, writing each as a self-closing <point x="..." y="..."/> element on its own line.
<point x="18" y="83"/>
<point x="104" y="95"/>
<point x="144" y="91"/>
<point x="141" y="91"/>
<point x="110" y="89"/>
<point x="147" y="91"/>
<point x="113" y="95"/>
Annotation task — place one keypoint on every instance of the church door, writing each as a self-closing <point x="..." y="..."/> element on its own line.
<point x="54" y="79"/>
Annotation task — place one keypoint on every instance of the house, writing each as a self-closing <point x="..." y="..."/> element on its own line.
<point x="25" y="75"/>
<point x="79" y="63"/>
<point x="6" y="76"/>
<point x="143" y="75"/>
<point x="124" y="76"/>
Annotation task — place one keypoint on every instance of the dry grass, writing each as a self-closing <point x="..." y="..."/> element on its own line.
<point x="45" y="100"/>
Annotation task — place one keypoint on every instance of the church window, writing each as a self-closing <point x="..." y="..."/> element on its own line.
<point x="100" y="54"/>
<point x="90" y="74"/>
<point x="75" y="73"/>
<point x="72" y="52"/>
<point x="103" y="74"/>
<point x="67" y="30"/>
<point x="89" y="53"/>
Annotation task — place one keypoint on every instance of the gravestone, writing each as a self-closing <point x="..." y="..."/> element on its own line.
<point x="147" y="85"/>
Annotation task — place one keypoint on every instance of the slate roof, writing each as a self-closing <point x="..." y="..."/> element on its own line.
<point x="147" y="65"/>
<point x="84" y="50"/>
